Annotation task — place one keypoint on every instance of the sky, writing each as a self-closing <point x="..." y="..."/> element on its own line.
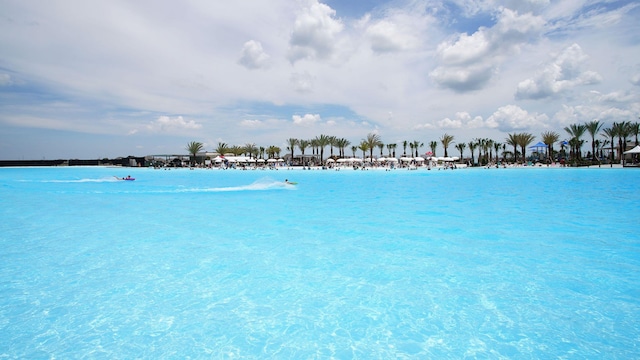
<point x="103" y="79"/>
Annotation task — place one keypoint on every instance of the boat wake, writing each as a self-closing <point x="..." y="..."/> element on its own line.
<point x="259" y="185"/>
<point x="100" y="180"/>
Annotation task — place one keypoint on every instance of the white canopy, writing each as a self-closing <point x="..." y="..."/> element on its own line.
<point x="349" y="160"/>
<point x="635" y="150"/>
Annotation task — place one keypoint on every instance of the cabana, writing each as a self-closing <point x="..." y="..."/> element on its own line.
<point x="633" y="152"/>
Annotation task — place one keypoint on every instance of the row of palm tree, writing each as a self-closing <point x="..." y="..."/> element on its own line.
<point x="487" y="148"/>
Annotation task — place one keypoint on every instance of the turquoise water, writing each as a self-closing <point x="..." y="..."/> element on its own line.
<point x="212" y="264"/>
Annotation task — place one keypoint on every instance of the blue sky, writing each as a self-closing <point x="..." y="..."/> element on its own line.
<point x="118" y="78"/>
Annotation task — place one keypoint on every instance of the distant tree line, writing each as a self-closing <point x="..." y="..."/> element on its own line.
<point x="513" y="149"/>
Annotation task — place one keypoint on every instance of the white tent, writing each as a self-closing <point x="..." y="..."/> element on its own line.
<point x="635" y="150"/>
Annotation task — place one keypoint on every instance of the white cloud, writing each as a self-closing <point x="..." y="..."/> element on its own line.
<point x="461" y="120"/>
<point x="252" y="124"/>
<point x="315" y="33"/>
<point x="396" y="31"/>
<point x="513" y="118"/>
<point x="302" y="82"/>
<point x="169" y="124"/>
<point x="463" y="79"/>
<point x="624" y="97"/>
<point x="465" y="120"/>
<point x="5" y="80"/>
<point x="253" y="56"/>
<point x="561" y="75"/>
<point x="470" y="61"/>
<point x="595" y="111"/>
<point x="447" y="123"/>
<point x="306" y="120"/>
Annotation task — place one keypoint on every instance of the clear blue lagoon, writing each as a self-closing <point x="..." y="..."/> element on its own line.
<point x="211" y="264"/>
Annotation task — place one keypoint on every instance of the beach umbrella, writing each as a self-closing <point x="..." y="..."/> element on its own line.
<point x="635" y="150"/>
<point x="261" y="160"/>
<point x="272" y="160"/>
<point x="419" y="158"/>
<point x="330" y="160"/>
<point x="392" y="159"/>
<point x="540" y="144"/>
<point x="382" y="159"/>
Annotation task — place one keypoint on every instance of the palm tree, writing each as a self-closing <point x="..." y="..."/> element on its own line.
<point x="417" y="145"/>
<point x="236" y="150"/>
<point x="623" y="130"/>
<point x="483" y="150"/>
<point x="404" y="147"/>
<point x="292" y="143"/>
<point x="364" y="147"/>
<point x="381" y="147"/>
<point x="611" y="133"/>
<point x="472" y="148"/>
<point x="433" y="145"/>
<point x="524" y="139"/>
<point x="222" y="148"/>
<point x="635" y="129"/>
<point x="496" y="147"/>
<point x="303" y="145"/>
<point x="332" y="142"/>
<point x="353" y="150"/>
<point x="549" y="138"/>
<point x="194" y="148"/>
<point x="461" y="147"/>
<point x="322" y="141"/>
<point x="446" y="140"/>
<point x="593" y="127"/>
<point x="576" y="131"/>
<point x="489" y="145"/>
<point x="513" y="140"/>
<point x="250" y="149"/>
<point x="271" y="152"/>
<point x="342" y="144"/>
<point x="372" y="141"/>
